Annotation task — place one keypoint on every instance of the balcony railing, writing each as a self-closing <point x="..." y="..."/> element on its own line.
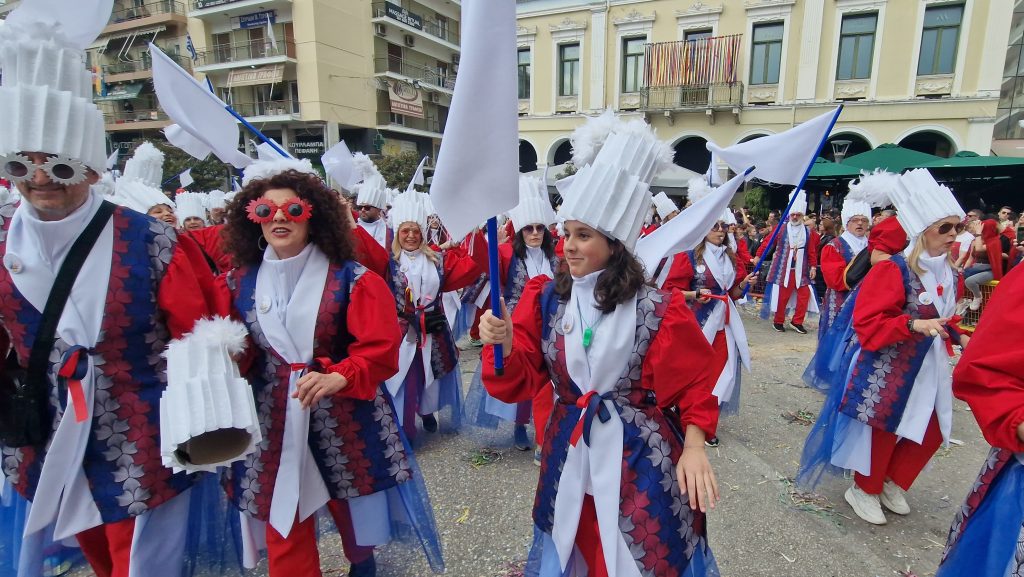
<point x="266" y="108"/>
<point x="147" y="10"/>
<point x="443" y="30"/>
<point x="143" y="64"/>
<point x="698" y="73"/>
<point x="256" y="49"/>
<point x="124" y="117"/>
<point x="426" y="124"/>
<point x="414" y="70"/>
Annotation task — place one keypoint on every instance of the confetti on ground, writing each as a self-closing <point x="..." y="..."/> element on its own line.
<point x="464" y="516"/>
<point x="515" y="569"/>
<point x="803" y="417"/>
<point x="481" y="457"/>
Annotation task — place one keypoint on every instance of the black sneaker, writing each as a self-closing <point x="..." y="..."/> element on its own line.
<point x="521" y="439"/>
<point x="798" y="328"/>
<point x="429" y="423"/>
<point x="366" y="568"/>
<point x="779" y="327"/>
<point x="712" y="442"/>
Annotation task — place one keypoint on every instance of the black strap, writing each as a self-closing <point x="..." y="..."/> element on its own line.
<point x="39" y="358"/>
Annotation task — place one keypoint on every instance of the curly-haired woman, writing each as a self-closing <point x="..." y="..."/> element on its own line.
<point x="620" y="490"/>
<point x="323" y="330"/>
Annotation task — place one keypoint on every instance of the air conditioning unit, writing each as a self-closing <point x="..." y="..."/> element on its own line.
<point x="455" y="59"/>
<point x="410" y="41"/>
<point x="380" y="29"/>
<point x="433" y="97"/>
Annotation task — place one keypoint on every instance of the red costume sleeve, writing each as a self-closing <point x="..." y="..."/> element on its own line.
<point x="878" y="316"/>
<point x="460" y="269"/>
<point x="373" y="355"/>
<point x="677" y="368"/>
<point x="990" y="375"/>
<point x="482" y="259"/>
<point x="525" y="372"/>
<point x="812" y="248"/>
<point x="209" y="239"/>
<point x="833" y="268"/>
<point x="369" y="252"/>
<point x="741" y="271"/>
<point x="680" y="274"/>
<point x="187" y="292"/>
<point x="742" y="252"/>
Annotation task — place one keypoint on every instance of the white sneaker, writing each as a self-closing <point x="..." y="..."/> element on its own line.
<point x="893" y="499"/>
<point x="961" y="307"/>
<point x="975" y="304"/>
<point x="865" y="506"/>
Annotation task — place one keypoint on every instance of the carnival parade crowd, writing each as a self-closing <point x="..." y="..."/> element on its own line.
<point x="192" y="378"/>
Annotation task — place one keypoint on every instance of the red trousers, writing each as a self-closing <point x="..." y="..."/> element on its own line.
<point x="803" y="298"/>
<point x="543" y="404"/>
<point x="900" y="460"/>
<point x="108" y="547"/>
<point x="298" y="556"/>
<point x="588" y="540"/>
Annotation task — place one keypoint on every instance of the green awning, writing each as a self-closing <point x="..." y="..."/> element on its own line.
<point x="125" y="91"/>
<point x="968" y="159"/>
<point x="826" y="169"/>
<point x="890" y="157"/>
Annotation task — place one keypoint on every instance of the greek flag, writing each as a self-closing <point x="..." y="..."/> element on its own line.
<point x="191" y="49"/>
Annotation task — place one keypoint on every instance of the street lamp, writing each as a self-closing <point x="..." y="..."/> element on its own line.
<point x="840" y="148"/>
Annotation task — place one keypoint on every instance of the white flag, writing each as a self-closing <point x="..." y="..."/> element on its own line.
<point x="339" y="166"/>
<point x="112" y="159"/>
<point x="81" y="21"/>
<point x="780" y="158"/>
<point x="418" y="178"/>
<point x="713" y="175"/>
<point x="197" y="112"/>
<point x="688" y="228"/>
<point x="477" y="175"/>
<point x="186" y="178"/>
<point x="270" y="34"/>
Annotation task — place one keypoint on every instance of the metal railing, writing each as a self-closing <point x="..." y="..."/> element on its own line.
<point x="445" y="31"/>
<point x="692" y="96"/>
<point x="124" y="116"/>
<point x="143" y="64"/>
<point x="146" y="10"/>
<point x="414" y="70"/>
<point x="266" y="108"/>
<point x="426" y="124"/>
<point x="256" y="49"/>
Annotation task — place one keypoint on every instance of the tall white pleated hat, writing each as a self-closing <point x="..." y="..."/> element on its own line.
<point x="139" y="186"/>
<point x="871" y="190"/>
<point x="617" y="160"/>
<point x="664" y="205"/>
<point x="920" y="201"/>
<point x="190" y="204"/>
<point x="534" y="204"/>
<point x="371" y="189"/>
<point x="216" y="199"/>
<point x="272" y="164"/>
<point x="46" y="89"/>
<point x="799" y="206"/>
<point x="409" y="206"/>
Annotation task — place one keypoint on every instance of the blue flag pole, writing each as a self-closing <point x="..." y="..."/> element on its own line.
<point x="785" y="215"/>
<point x="256" y="131"/>
<point x="176" y="175"/>
<point x="495" y="272"/>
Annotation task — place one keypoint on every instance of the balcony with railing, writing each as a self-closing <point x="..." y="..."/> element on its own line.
<point x="409" y="124"/>
<point x="692" y="75"/>
<point x="285" y="109"/>
<point x="233" y="8"/>
<point x="414" y="71"/>
<point x="138" y="69"/>
<point x="166" y="12"/>
<point x="246" y="54"/>
<point x="122" y="120"/>
<point x="443" y="29"/>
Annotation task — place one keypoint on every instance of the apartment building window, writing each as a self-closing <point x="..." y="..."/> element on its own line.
<point x="221" y="47"/>
<point x="695" y="35"/>
<point x="569" y="70"/>
<point x="766" y="53"/>
<point x="856" y="46"/>
<point x="939" y="39"/>
<point x="524" y="73"/>
<point x="632" y="63"/>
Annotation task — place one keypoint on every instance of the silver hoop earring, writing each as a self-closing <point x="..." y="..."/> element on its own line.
<point x="262" y="239"/>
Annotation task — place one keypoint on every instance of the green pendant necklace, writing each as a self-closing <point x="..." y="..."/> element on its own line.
<point x="588" y="330"/>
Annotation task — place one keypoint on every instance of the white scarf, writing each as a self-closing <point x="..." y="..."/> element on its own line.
<point x="537" y="263"/>
<point x="421" y="275"/>
<point x="857" y="243"/>
<point x="596" y="469"/>
<point x="797" y="236"/>
<point x="378" y="229"/>
<point x="724" y="272"/>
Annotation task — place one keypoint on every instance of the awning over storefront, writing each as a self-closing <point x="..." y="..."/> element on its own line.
<point x="826" y="169"/>
<point x="889" y="157"/>
<point x="125" y="91"/>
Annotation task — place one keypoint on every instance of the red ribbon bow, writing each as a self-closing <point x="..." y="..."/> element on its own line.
<point x="73" y="370"/>
<point x="725" y="300"/>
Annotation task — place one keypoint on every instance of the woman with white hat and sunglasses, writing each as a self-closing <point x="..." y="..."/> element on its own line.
<point x="619" y="492"/>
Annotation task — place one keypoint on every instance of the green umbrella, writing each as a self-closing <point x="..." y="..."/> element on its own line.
<point x="968" y="159"/>
<point x="890" y="157"/>
<point x="825" y="169"/>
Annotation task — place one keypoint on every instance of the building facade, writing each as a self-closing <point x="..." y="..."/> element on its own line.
<point x="924" y="74"/>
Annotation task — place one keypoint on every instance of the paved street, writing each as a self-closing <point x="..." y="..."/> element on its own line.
<point x="760" y="529"/>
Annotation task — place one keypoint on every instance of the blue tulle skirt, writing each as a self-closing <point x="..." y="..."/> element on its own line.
<point x="464" y="320"/>
<point x="835" y="345"/>
<point x="731" y="407"/>
<point x="827" y="432"/>
<point x="989" y="542"/>
<point x="36" y="556"/>
<point x="543" y="560"/>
